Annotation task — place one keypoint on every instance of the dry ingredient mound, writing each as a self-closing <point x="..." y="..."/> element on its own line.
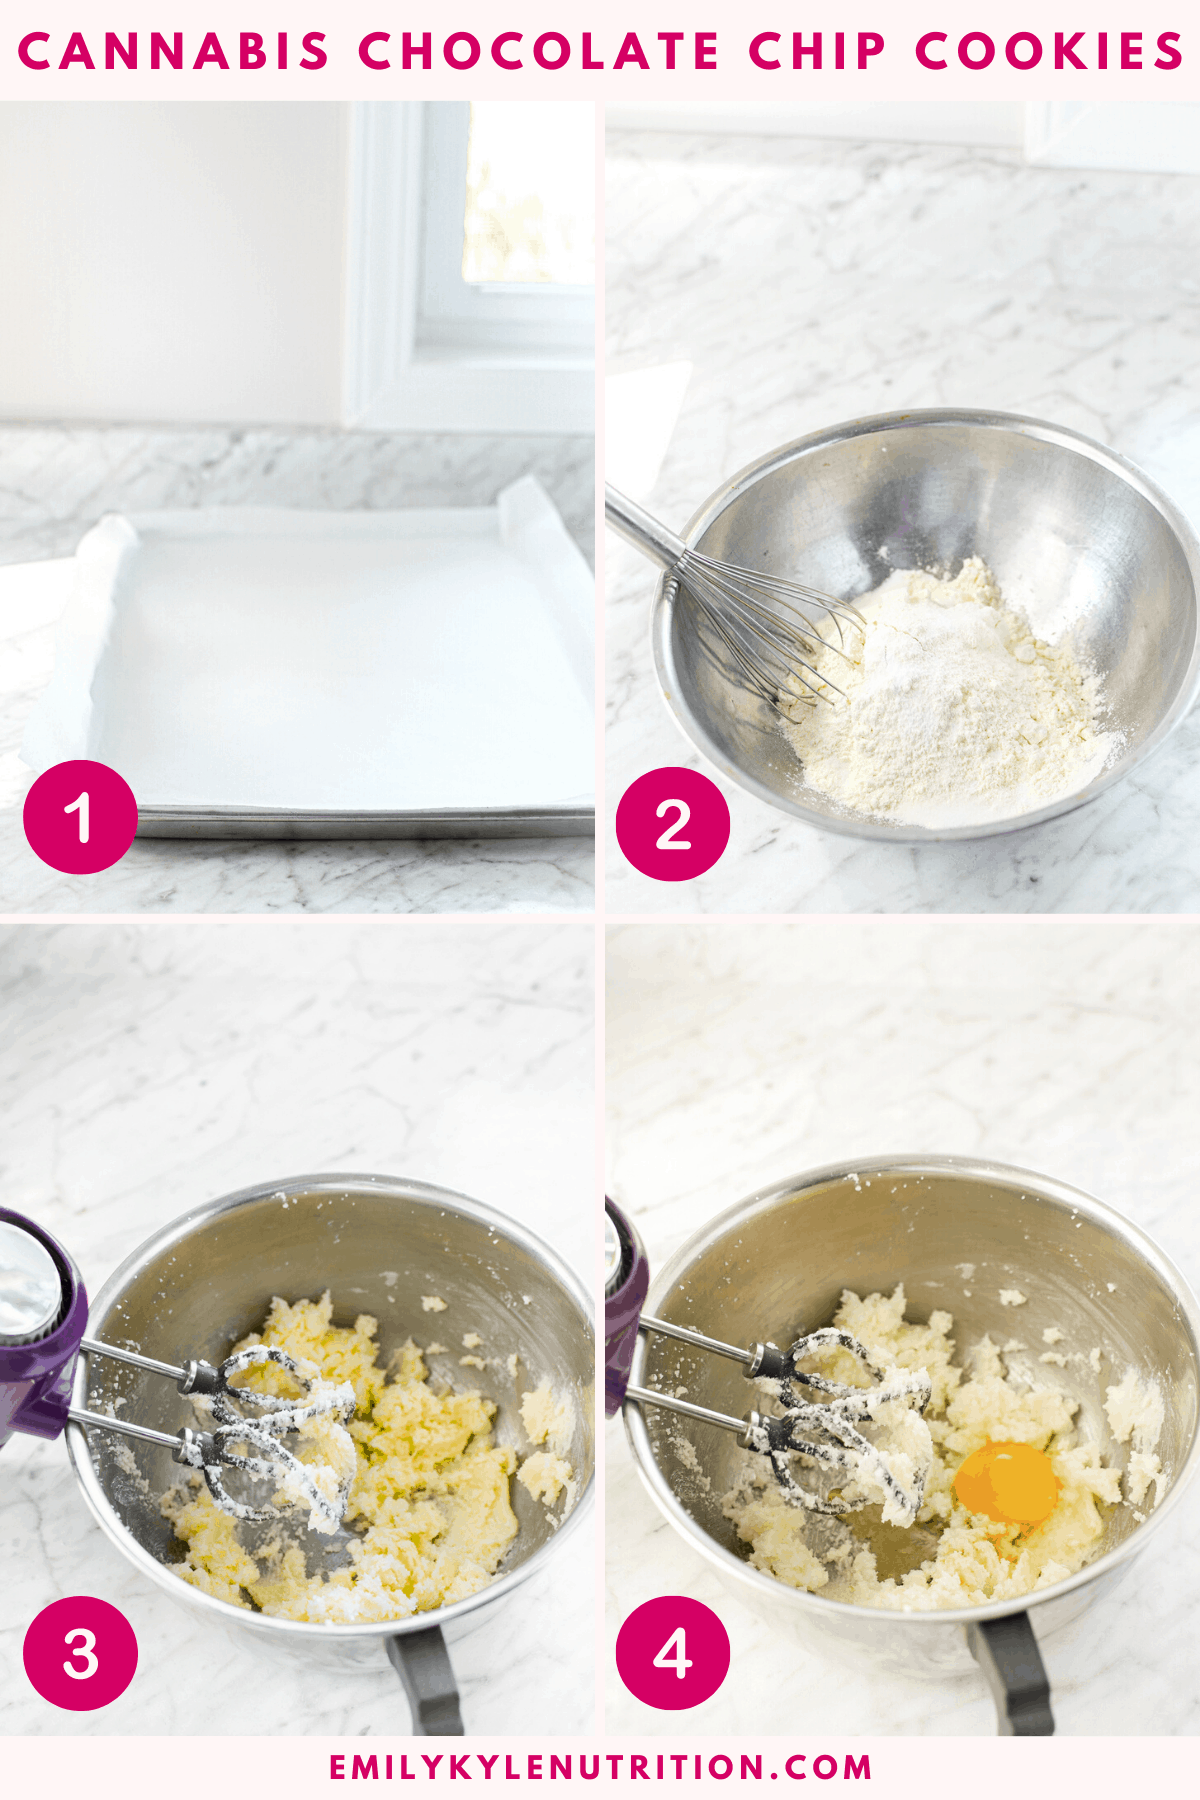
<point x="429" y="1499"/>
<point x="971" y="1559"/>
<point x="950" y="712"/>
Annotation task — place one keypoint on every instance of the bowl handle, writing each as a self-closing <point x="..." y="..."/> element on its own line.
<point x="1007" y="1652"/>
<point x="422" y="1662"/>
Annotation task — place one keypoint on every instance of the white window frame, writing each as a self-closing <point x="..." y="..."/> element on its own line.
<point x="526" y="316"/>
<point x="422" y="353"/>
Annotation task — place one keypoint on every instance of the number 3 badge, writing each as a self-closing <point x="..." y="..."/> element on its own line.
<point x="81" y="1653"/>
<point x="673" y="1652"/>
<point x="672" y="824"/>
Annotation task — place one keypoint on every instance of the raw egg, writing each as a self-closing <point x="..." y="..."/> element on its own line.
<point x="1012" y="1483"/>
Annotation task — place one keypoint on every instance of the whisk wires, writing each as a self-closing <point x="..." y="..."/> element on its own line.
<point x="770" y="642"/>
<point x="760" y="630"/>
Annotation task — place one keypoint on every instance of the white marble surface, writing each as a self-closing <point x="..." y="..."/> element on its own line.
<point x="55" y="481"/>
<point x="739" y="1054"/>
<point x="810" y="282"/>
<point x="150" y="1066"/>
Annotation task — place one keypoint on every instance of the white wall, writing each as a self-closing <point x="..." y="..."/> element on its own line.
<point x="178" y="262"/>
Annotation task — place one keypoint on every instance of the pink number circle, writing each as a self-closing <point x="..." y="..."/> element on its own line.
<point x="80" y="1653"/>
<point x="80" y="817"/>
<point x="673" y="1652"/>
<point x="672" y="824"/>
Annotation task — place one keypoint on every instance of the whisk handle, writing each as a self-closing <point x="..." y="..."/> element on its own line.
<point x="643" y="530"/>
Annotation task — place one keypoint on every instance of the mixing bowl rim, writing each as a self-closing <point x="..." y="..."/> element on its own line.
<point x="174" y="1232"/>
<point x="1045" y="1187"/>
<point x="848" y="825"/>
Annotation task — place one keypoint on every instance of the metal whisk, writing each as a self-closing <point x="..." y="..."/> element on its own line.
<point x="262" y="1430"/>
<point x="823" y="1429"/>
<point x="766" y="626"/>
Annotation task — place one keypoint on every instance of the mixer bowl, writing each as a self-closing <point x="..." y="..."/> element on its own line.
<point x="1070" y="530"/>
<point x="378" y="1244"/>
<point x="775" y="1265"/>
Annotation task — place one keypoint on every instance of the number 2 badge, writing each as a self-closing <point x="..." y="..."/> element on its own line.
<point x="672" y="824"/>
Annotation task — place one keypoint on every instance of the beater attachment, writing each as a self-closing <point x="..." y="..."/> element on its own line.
<point x="323" y="1486"/>
<point x="824" y="1431"/>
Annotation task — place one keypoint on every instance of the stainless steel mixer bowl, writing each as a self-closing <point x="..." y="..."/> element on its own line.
<point x="378" y="1244"/>
<point x="776" y="1264"/>
<point x="1053" y="514"/>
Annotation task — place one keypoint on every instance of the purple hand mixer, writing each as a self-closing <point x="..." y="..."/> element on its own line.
<point x="43" y="1318"/>
<point x="824" y="1430"/>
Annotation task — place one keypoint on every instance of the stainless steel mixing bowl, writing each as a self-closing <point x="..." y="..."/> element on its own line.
<point x="776" y="1264"/>
<point x="1059" y="519"/>
<point x="378" y="1244"/>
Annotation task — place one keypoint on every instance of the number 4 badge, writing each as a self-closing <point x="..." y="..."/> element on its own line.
<point x="673" y="1653"/>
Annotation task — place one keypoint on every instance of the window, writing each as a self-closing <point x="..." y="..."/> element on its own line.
<point x="508" y="238"/>
<point x="470" y="303"/>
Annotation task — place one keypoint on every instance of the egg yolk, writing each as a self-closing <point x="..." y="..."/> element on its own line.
<point x="1011" y="1483"/>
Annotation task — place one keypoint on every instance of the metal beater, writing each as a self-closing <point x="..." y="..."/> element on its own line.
<point x="821" y="1429"/>
<point x="43" y="1312"/>
<point x="768" y="653"/>
<point x="211" y="1451"/>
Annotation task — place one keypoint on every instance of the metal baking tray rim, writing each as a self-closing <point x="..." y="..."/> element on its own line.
<point x="252" y="822"/>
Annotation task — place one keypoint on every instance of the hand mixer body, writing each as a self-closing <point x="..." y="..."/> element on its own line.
<point x="43" y="1319"/>
<point x="626" y="1281"/>
<point x="819" y="1425"/>
<point x="37" y="1359"/>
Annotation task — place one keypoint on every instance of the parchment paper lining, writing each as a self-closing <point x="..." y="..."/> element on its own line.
<point x="392" y="660"/>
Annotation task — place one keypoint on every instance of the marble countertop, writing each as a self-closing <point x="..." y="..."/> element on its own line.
<point x="56" y="481"/>
<point x="739" y="1054"/>
<point x="151" y="1066"/>
<point x="808" y="282"/>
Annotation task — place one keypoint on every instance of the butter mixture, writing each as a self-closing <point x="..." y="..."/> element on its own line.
<point x="1135" y="1413"/>
<point x="429" y="1503"/>
<point x="962" y="1557"/>
<point x="946" y="710"/>
<point x="546" y="1474"/>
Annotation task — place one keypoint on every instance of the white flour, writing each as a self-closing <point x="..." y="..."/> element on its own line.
<point x="953" y="712"/>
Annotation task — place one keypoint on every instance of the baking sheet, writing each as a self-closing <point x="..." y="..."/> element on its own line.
<point x="255" y="672"/>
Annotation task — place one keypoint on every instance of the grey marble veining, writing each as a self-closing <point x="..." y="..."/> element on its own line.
<point x="151" y="1066"/>
<point x="810" y="282"/>
<point x="56" y="481"/>
<point x="741" y="1053"/>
